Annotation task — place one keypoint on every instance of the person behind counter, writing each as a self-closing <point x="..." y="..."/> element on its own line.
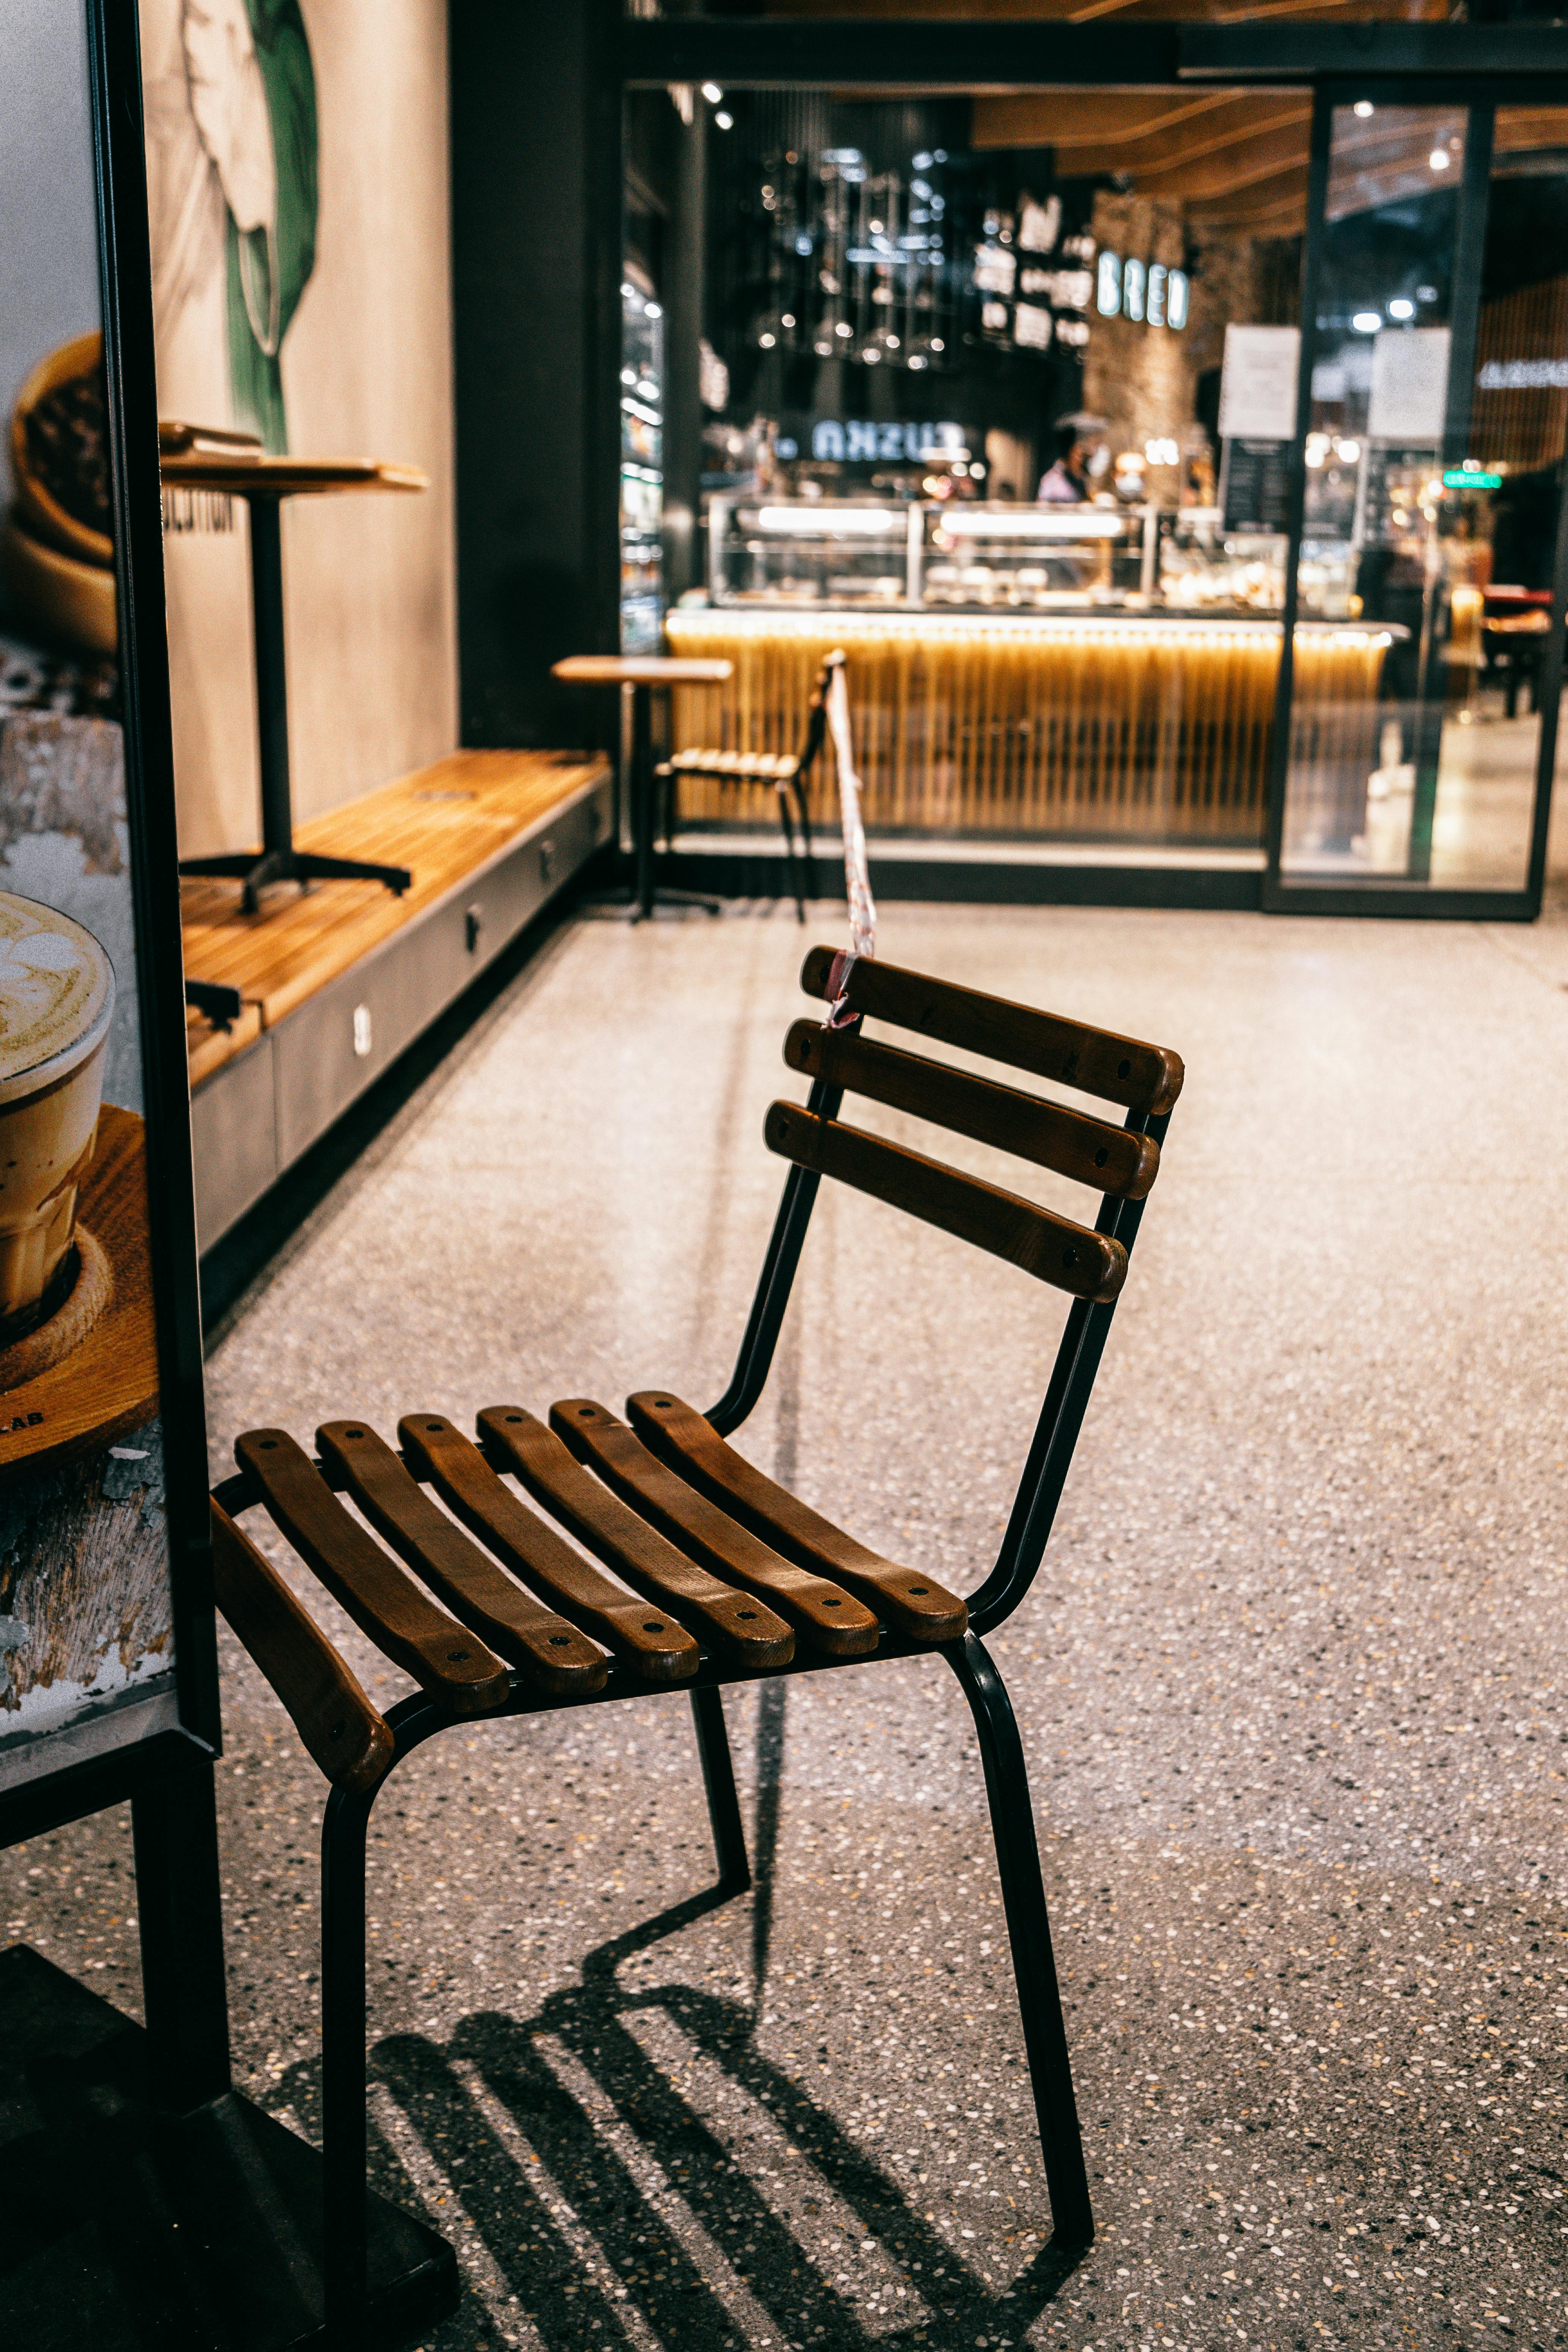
<point x="1078" y="446"/>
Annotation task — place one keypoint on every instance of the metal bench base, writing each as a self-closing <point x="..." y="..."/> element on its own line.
<point x="158" y="2229"/>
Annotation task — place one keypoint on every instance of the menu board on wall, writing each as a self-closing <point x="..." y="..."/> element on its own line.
<point x="1258" y="383"/>
<point x="87" y="1604"/>
<point x="1257" y="485"/>
<point x="1257" y="422"/>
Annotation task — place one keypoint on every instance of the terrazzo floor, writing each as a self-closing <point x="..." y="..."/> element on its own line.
<point x="1290" y="1680"/>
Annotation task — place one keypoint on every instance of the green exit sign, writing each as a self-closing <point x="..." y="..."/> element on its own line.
<point x="1470" y="478"/>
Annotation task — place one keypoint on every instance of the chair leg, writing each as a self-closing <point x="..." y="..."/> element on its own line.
<point x="789" y="854"/>
<point x="1029" y="1932"/>
<point x="723" y="1804"/>
<point x="343" y="2135"/>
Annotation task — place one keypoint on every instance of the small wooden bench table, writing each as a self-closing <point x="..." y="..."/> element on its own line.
<point x="645" y="674"/>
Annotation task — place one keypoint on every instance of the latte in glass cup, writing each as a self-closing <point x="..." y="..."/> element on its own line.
<point x="56" y="996"/>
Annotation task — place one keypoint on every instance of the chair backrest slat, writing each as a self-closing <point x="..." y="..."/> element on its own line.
<point x="1068" y="1256"/>
<point x="1143" y="1078"/>
<point x="1114" y="1160"/>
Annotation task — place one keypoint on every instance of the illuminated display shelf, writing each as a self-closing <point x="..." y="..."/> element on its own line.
<point x="891" y="554"/>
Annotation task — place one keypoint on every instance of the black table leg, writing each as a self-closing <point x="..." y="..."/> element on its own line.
<point x="645" y="819"/>
<point x="642" y="796"/>
<point x="645" y="896"/>
<point x="278" y="861"/>
<point x="267" y="621"/>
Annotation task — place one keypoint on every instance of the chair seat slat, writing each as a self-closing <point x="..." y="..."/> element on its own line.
<point x="744" y="1630"/>
<point x="1114" y="1160"/>
<point x="912" y="1603"/>
<point x="1145" y="1078"/>
<point x="822" y="1613"/>
<point x="552" y="1655"/>
<point x="767" y="767"/>
<point x="349" y="1737"/>
<point x="453" y="1665"/>
<point x="656" y="1647"/>
<point x="1068" y="1256"/>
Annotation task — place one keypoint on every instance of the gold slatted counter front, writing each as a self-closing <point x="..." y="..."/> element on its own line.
<point x="1091" y="727"/>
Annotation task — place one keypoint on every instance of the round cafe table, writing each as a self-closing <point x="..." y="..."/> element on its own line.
<point x="194" y="457"/>
<point x="645" y="675"/>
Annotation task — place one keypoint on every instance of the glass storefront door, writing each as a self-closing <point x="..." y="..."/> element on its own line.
<point x="1179" y="463"/>
<point x="1430" y="457"/>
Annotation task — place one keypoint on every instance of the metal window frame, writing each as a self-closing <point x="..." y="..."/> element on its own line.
<point x="144" y="1769"/>
<point x="1478" y="67"/>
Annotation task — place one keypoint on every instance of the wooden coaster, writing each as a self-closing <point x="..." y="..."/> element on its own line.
<point x="67" y="1327"/>
<point x="90" y="1374"/>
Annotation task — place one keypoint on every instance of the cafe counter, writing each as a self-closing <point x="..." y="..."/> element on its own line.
<point x="1150" y="728"/>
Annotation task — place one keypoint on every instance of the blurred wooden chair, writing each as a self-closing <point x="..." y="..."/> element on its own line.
<point x="785" y="771"/>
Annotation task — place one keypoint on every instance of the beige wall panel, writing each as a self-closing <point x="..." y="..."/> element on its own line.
<point x="365" y="365"/>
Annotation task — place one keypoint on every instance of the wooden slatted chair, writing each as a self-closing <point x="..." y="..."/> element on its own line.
<point x="721" y="1576"/>
<point x="785" y="771"/>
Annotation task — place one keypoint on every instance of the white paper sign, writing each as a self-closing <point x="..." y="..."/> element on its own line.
<point x="1409" y="385"/>
<point x="1258" y="383"/>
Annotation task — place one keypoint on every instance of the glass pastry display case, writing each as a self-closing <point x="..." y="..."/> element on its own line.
<point x="1039" y="558"/>
<point x="813" y="552"/>
<point x="952" y="555"/>
<point x="1206" y="568"/>
<point x="1097" y="671"/>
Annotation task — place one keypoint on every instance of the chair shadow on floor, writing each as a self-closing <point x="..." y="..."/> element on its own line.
<point x="516" y="2143"/>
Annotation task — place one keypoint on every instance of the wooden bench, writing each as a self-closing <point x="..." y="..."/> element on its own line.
<point x="718" y="1575"/>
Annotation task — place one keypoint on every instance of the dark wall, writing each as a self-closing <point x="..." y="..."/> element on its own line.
<point x="536" y="238"/>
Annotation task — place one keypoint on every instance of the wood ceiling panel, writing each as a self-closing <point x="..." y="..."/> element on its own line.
<point x="1242" y="164"/>
<point x="1272" y="207"/>
<point x="1092" y="118"/>
<point x="1092" y="139"/>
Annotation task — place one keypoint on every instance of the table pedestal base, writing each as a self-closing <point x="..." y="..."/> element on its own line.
<point x="639" y="904"/>
<point x="260" y="869"/>
<point x="137" y="2230"/>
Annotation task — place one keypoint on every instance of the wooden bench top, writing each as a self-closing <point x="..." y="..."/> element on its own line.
<point x="443" y="822"/>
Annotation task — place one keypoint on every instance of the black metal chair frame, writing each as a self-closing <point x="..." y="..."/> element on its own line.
<point x="419" y="1717"/>
<point x="802" y="869"/>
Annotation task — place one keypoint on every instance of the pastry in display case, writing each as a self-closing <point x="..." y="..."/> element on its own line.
<point x="1206" y="568"/>
<point x="1040" y="558"/>
<point x="980" y="556"/>
<point x="784" y="550"/>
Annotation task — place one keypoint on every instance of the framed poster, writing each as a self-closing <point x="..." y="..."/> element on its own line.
<point x="106" y="1635"/>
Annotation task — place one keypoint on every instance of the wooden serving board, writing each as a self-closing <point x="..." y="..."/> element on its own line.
<point x="110" y="1383"/>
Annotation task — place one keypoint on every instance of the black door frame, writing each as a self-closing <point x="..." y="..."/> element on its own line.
<point x="1412" y="896"/>
<point x="1478" y="67"/>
